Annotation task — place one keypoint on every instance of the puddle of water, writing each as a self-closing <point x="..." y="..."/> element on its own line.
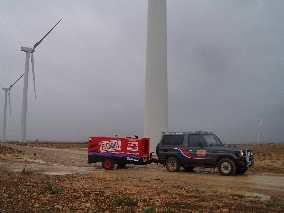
<point x="57" y="173"/>
<point x="81" y="170"/>
<point x="16" y="167"/>
<point x="18" y="170"/>
<point x="36" y="161"/>
<point x="249" y="195"/>
<point x="66" y="170"/>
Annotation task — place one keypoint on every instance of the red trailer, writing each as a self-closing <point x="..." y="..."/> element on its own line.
<point x="120" y="151"/>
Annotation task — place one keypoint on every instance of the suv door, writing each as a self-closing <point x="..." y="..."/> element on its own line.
<point x="198" y="149"/>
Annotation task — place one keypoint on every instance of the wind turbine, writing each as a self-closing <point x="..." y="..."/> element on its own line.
<point x="7" y="92"/>
<point x="29" y="52"/>
<point x="258" y="129"/>
<point x="156" y="86"/>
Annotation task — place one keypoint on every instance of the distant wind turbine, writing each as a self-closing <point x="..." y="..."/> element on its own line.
<point x="29" y="51"/>
<point x="258" y="129"/>
<point x="7" y="92"/>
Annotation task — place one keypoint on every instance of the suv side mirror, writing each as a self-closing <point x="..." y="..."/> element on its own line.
<point x="200" y="144"/>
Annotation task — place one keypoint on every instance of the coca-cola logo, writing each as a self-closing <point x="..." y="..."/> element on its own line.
<point x="110" y="146"/>
<point x="201" y="152"/>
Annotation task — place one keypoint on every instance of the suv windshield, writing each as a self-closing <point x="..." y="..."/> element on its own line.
<point x="212" y="140"/>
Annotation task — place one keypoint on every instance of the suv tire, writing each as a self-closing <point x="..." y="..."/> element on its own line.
<point x="226" y="167"/>
<point x="173" y="164"/>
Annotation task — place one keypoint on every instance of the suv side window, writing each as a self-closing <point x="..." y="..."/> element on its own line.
<point x="193" y="140"/>
<point x="173" y="140"/>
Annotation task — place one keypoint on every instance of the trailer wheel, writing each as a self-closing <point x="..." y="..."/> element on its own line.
<point x="108" y="164"/>
<point x="173" y="164"/>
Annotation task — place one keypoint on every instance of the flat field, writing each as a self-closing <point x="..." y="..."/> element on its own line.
<point x="49" y="177"/>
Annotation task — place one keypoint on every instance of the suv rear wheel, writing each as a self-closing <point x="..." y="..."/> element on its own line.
<point x="226" y="167"/>
<point x="173" y="164"/>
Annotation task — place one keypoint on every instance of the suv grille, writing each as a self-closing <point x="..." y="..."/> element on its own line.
<point x="249" y="153"/>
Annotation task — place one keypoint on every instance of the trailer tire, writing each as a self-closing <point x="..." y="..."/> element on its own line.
<point x="108" y="164"/>
<point x="173" y="164"/>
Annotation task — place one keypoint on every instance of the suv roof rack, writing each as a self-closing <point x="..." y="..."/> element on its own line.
<point x="181" y="133"/>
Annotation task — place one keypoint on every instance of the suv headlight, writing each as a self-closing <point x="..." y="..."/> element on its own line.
<point x="240" y="153"/>
<point x="250" y="153"/>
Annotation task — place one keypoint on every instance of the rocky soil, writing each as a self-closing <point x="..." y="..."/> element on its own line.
<point x="46" y="177"/>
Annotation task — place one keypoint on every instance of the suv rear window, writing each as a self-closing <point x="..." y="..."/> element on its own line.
<point x="173" y="139"/>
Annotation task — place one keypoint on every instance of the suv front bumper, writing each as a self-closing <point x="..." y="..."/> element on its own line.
<point x="245" y="161"/>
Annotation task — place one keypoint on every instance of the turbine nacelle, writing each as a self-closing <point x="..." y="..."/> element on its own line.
<point x="27" y="49"/>
<point x="260" y="124"/>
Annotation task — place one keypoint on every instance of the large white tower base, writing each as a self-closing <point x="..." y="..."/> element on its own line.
<point x="4" y="116"/>
<point x="156" y="96"/>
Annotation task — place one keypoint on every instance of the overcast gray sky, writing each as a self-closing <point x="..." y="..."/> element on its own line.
<point x="225" y="68"/>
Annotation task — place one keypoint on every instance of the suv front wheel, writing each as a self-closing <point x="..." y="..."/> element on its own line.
<point x="226" y="167"/>
<point x="173" y="164"/>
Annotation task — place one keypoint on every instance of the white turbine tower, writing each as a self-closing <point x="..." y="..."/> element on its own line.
<point x="7" y="93"/>
<point x="6" y="89"/>
<point x="258" y="130"/>
<point x="156" y="91"/>
<point x="29" y="51"/>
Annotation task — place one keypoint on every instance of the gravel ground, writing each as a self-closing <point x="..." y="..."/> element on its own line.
<point x="46" y="177"/>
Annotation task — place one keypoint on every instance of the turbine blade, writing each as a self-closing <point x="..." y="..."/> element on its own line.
<point x="38" y="43"/>
<point x="16" y="81"/>
<point x="3" y="84"/>
<point x="33" y="70"/>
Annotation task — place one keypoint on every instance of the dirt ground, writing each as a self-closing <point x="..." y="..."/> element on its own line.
<point x="49" y="177"/>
